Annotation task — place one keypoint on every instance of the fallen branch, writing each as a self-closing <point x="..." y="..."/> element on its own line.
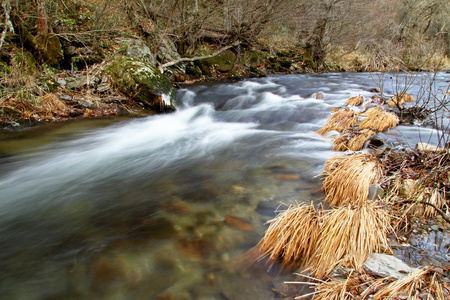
<point x="440" y="211"/>
<point x="191" y="59"/>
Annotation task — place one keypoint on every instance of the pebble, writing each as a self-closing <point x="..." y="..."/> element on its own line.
<point x="288" y="177"/>
<point x="238" y="223"/>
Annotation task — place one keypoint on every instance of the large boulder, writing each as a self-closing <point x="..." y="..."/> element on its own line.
<point x="167" y="52"/>
<point x="142" y="82"/>
<point x="138" y="49"/>
<point x="223" y="62"/>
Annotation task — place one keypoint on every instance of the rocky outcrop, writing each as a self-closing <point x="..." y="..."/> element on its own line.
<point x="142" y="82"/>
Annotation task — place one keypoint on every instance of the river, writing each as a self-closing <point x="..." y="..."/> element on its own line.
<point x="167" y="206"/>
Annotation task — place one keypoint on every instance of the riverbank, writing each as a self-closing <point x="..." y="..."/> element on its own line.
<point x="124" y="76"/>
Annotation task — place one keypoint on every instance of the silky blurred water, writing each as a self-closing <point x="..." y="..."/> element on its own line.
<point x="164" y="207"/>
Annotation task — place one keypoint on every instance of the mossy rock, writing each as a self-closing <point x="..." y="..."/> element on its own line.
<point x="254" y="58"/>
<point x="141" y="81"/>
<point x="223" y="62"/>
<point x="204" y="67"/>
<point x="194" y="70"/>
<point x="285" y="63"/>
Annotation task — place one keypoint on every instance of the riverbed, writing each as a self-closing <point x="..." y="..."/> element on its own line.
<point x="169" y="206"/>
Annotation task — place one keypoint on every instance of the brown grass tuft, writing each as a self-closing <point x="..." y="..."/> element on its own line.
<point x="355" y="100"/>
<point x="340" y="121"/>
<point x="348" y="177"/>
<point x="353" y="139"/>
<point x="378" y="119"/>
<point x="409" y="285"/>
<point x="291" y="236"/>
<point x="348" y="235"/>
<point x="400" y="99"/>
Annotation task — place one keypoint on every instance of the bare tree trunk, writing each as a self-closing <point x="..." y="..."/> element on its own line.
<point x="42" y="27"/>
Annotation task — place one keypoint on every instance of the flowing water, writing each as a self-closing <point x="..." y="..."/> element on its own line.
<point x="164" y="207"/>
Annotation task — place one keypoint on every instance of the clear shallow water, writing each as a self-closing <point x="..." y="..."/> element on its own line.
<point x="164" y="207"/>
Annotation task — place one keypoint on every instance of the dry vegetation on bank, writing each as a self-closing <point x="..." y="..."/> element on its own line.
<point x="266" y="36"/>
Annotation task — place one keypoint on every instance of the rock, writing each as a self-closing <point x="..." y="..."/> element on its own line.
<point x="427" y="147"/>
<point x="62" y="82"/>
<point x="375" y="192"/>
<point x="375" y="90"/>
<point x="387" y="266"/>
<point x="318" y="95"/>
<point x="408" y="187"/>
<point x="223" y="62"/>
<point x="65" y="97"/>
<point x="81" y="81"/>
<point x="340" y="272"/>
<point x="116" y="99"/>
<point x="239" y="288"/>
<point x="167" y="52"/>
<point x="288" y="177"/>
<point x="400" y="99"/>
<point x="238" y="223"/>
<point x="138" y="49"/>
<point x="141" y="81"/>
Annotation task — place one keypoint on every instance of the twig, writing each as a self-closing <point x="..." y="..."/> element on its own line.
<point x="440" y="211"/>
<point x="191" y="59"/>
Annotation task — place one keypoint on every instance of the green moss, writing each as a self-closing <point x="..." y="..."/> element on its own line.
<point x="194" y="70"/>
<point x="139" y="80"/>
<point x="223" y="62"/>
<point x="4" y="69"/>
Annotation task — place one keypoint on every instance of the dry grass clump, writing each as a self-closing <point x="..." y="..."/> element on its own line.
<point x="421" y="284"/>
<point x="413" y="286"/>
<point x="355" y="101"/>
<point x="353" y="139"/>
<point x="348" y="177"/>
<point x="291" y="236"/>
<point x="418" y="179"/>
<point x="400" y="99"/>
<point x="379" y="119"/>
<point x="43" y="108"/>
<point x="51" y="103"/>
<point x="341" y="120"/>
<point x="348" y="235"/>
<point x="340" y="289"/>
<point x="319" y="240"/>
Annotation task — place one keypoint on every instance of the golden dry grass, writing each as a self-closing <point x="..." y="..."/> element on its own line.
<point x="355" y="101"/>
<point x="433" y="196"/>
<point x="378" y="119"/>
<point x="291" y="236"/>
<point x="400" y="99"/>
<point x="410" y="285"/>
<point x="347" y="236"/>
<point x="353" y="139"/>
<point x="319" y="240"/>
<point x="341" y="289"/>
<point x="50" y="102"/>
<point x="348" y="177"/>
<point x="341" y="120"/>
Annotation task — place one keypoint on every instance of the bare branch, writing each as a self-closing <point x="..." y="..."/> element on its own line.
<point x="191" y="59"/>
<point x="8" y="25"/>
